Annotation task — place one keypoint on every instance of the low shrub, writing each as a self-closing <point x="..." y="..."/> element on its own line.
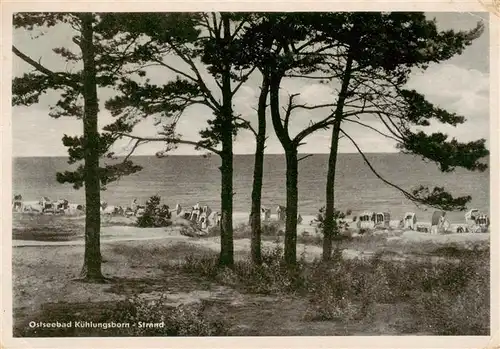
<point x="456" y="313"/>
<point x="271" y="277"/>
<point x="454" y="297"/>
<point x="339" y="223"/>
<point x="155" y="215"/>
<point x="243" y="230"/>
<point x="271" y="228"/>
<point x="448" y="297"/>
<point x="181" y="320"/>
<point x="330" y="308"/>
<point x="132" y="317"/>
<point x="213" y="231"/>
<point x="205" y="265"/>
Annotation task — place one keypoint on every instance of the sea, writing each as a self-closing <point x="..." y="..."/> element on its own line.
<point x="188" y="180"/>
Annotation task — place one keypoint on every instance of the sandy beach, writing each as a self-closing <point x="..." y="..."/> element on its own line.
<point x="137" y="261"/>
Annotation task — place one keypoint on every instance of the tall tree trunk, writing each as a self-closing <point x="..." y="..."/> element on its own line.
<point x="92" y="261"/>
<point x="292" y="198"/>
<point x="258" y="170"/>
<point x="226" y="253"/>
<point x="226" y="257"/>
<point x="329" y="229"/>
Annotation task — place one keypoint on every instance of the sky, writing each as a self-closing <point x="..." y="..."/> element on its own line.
<point x="459" y="85"/>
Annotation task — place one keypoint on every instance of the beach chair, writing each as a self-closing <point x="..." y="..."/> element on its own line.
<point x="203" y="219"/>
<point x="436" y="221"/>
<point x="410" y="221"/>
<point x="366" y="220"/>
<point x="483" y="222"/>
<point x="47" y="205"/>
<point x="17" y="203"/>
<point x="214" y="219"/>
<point x="194" y="216"/>
<point x="470" y="216"/>
<point x="382" y="219"/>
<point x="476" y="221"/>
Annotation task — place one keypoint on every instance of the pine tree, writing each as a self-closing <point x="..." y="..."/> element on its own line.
<point x="346" y="47"/>
<point x="374" y="67"/>
<point x="202" y="41"/>
<point x="286" y="45"/>
<point x="102" y="56"/>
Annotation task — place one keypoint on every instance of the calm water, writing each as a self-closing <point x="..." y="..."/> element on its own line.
<point x="190" y="179"/>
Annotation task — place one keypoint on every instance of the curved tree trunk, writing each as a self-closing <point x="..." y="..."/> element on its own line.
<point x="92" y="261"/>
<point x="255" y="214"/>
<point x="291" y="172"/>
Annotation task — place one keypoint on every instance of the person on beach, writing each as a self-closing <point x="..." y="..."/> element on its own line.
<point x="280" y="213"/>
<point x="266" y="213"/>
<point x="133" y="205"/>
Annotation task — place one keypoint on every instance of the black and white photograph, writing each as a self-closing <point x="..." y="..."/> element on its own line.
<point x="250" y="173"/>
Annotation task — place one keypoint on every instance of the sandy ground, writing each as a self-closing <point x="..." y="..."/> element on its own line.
<point x="45" y="272"/>
<point x="44" y="281"/>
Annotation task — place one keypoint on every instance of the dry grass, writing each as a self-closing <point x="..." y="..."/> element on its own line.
<point x="46" y="228"/>
<point x="347" y="297"/>
<point x="447" y="297"/>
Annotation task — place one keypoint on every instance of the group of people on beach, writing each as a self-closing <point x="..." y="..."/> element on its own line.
<point x="204" y="216"/>
<point x="45" y="205"/>
<point x="135" y="209"/>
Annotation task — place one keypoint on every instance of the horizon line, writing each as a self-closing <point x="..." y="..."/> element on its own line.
<point x="63" y="156"/>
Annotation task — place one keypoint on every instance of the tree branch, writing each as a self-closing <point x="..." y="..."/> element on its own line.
<point x="400" y="136"/>
<point x="160" y="62"/>
<point x="289" y="109"/>
<point x="405" y="193"/>
<point x="314" y="127"/>
<point x="374" y="129"/>
<point x="171" y="140"/>
<point x="206" y="25"/>
<point x="310" y="77"/>
<point x="304" y="157"/>
<point x="318" y="106"/>
<point x="247" y="124"/>
<point x="137" y="142"/>
<point x="58" y="77"/>
<point x="243" y="79"/>
<point x="237" y="29"/>
<point x="199" y="80"/>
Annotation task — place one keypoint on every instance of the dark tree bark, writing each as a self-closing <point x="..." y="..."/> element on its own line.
<point x="329" y="223"/>
<point x="330" y="230"/>
<point x="292" y="197"/>
<point x="255" y="214"/>
<point x="226" y="254"/>
<point x="92" y="261"/>
<point x="290" y="149"/>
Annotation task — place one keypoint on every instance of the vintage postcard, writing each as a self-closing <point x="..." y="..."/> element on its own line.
<point x="256" y="175"/>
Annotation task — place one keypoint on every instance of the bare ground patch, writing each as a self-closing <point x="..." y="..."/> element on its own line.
<point x="45" y="289"/>
<point x="45" y="285"/>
